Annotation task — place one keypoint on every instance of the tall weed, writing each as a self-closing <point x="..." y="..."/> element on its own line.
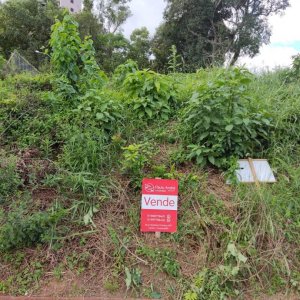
<point x="220" y="120"/>
<point x="10" y="180"/>
<point x="20" y="230"/>
<point x="153" y="95"/>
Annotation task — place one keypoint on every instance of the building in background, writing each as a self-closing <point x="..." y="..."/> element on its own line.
<point x="74" y="6"/>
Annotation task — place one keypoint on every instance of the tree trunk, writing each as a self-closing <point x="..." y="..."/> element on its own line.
<point x="235" y="57"/>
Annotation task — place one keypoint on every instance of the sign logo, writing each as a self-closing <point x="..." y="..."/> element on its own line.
<point x="149" y="187"/>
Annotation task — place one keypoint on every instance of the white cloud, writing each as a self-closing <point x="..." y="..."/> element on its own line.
<point x="285" y="41"/>
<point x="270" y="57"/>
<point x="147" y="13"/>
<point x="286" y="27"/>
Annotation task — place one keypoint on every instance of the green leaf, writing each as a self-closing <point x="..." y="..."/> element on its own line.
<point x="231" y="248"/>
<point x="99" y="116"/>
<point x="229" y="127"/>
<point x="165" y="117"/>
<point x="238" y="121"/>
<point x="157" y="85"/>
<point x="203" y="136"/>
<point x="128" y="279"/>
<point x="242" y="258"/>
<point x="149" y="112"/>
<point x="235" y="271"/>
<point x="195" y="96"/>
<point x="211" y="159"/>
<point x="155" y="295"/>
<point x="246" y="121"/>
<point x="136" y="106"/>
<point x="200" y="160"/>
<point x="233" y="251"/>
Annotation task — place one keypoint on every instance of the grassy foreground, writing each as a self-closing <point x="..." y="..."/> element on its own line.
<point x="75" y="145"/>
<point x="70" y="198"/>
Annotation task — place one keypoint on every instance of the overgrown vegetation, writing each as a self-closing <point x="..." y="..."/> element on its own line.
<point x="75" y="145"/>
<point x="222" y="120"/>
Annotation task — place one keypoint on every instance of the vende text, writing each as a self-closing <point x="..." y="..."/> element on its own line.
<point x="159" y="202"/>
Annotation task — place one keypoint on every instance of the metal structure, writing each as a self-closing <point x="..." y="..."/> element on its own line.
<point x="18" y="64"/>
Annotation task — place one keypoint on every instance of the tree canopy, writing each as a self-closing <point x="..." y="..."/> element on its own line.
<point x="249" y="26"/>
<point x="112" y="13"/>
<point x="140" y="46"/>
<point x="205" y="31"/>
<point x="26" y="25"/>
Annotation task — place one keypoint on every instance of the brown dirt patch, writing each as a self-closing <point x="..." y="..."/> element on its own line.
<point x="216" y="185"/>
<point x="76" y="286"/>
<point x="44" y="197"/>
<point x="31" y="168"/>
<point x="275" y="297"/>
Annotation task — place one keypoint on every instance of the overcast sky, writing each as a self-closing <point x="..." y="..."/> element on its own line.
<point x="285" y="40"/>
<point x="147" y="13"/>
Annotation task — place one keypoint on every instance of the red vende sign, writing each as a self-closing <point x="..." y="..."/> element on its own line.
<point x="159" y="205"/>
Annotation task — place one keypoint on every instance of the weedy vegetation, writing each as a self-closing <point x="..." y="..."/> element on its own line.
<point x="75" y="144"/>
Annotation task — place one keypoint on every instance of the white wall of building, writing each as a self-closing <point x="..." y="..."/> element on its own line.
<point x="73" y="5"/>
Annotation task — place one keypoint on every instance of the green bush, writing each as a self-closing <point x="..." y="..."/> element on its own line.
<point x="20" y="230"/>
<point x="2" y="64"/>
<point x="65" y="43"/>
<point x="164" y="258"/>
<point x="91" y="77"/>
<point x="27" y="120"/>
<point x="73" y="60"/>
<point x="9" y="177"/>
<point x="84" y="151"/>
<point x="100" y="109"/>
<point x="285" y="109"/>
<point x="153" y="95"/>
<point x="135" y="158"/>
<point x="40" y="82"/>
<point x="120" y="73"/>
<point x="294" y="73"/>
<point x="220" y="121"/>
<point x="282" y="102"/>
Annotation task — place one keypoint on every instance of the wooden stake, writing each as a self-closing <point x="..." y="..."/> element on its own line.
<point x="250" y="160"/>
<point x="157" y="235"/>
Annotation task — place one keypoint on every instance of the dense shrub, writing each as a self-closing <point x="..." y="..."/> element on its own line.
<point x="84" y="150"/>
<point x="2" y="64"/>
<point x="91" y="77"/>
<point x="286" y="134"/>
<point x="100" y="110"/>
<point x="129" y="67"/>
<point x="65" y="43"/>
<point x="294" y="73"/>
<point x="220" y="120"/>
<point x="282" y="102"/>
<point x="40" y="82"/>
<point x="28" y="119"/>
<point x="9" y="177"/>
<point x="20" y="230"/>
<point x="153" y="95"/>
<point x="135" y="158"/>
<point x="73" y="60"/>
